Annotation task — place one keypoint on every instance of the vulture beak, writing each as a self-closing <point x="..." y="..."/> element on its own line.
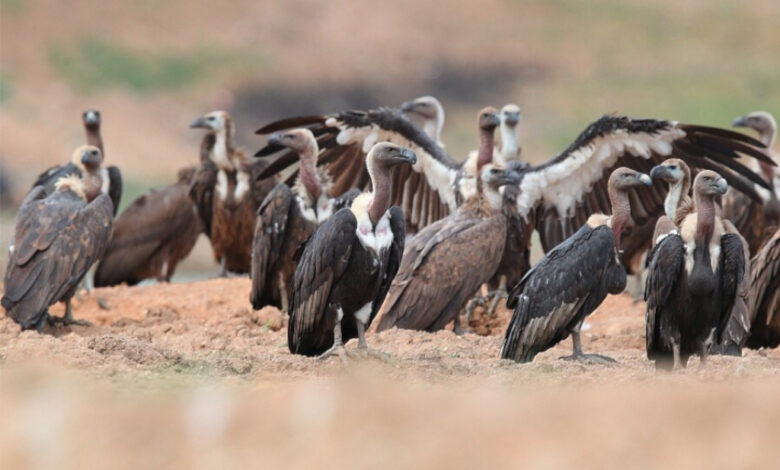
<point x="660" y="172"/>
<point x="494" y="120"/>
<point x="408" y="106"/>
<point x="275" y="140"/>
<point x="512" y="118"/>
<point x="502" y="177"/>
<point x="721" y="186"/>
<point x="200" y="123"/>
<point x="644" y="179"/>
<point x="406" y="156"/>
<point x="741" y="121"/>
<point x="91" y="118"/>
<point x="90" y="158"/>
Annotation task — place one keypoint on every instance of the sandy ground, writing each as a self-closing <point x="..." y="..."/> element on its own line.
<point x="170" y="371"/>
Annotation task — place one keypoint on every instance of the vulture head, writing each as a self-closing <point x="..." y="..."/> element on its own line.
<point x="87" y="157"/>
<point x="494" y="177"/>
<point x="71" y="183"/>
<point x="385" y="155"/>
<point x="301" y="141"/>
<point x="671" y="171"/>
<point x="709" y="183"/>
<point x="91" y="118"/>
<point x="488" y="119"/>
<point x="624" y="179"/>
<point x="215" y="121"/>
<point x="426" y="107"/>
<point x="510" y="115"/>
<point x="760" y="121"/>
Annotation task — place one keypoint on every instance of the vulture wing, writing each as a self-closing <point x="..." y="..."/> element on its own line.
<point x="555" y="294"/>
<point x="665" y="260"/>
<point x="442" y="267"/>
<point x="115" y="186"/>
<point x="202" y="193"/>
<point x="269" y="237"/>
<point x="394" y="258"/>
<point x="734" y="274"/>
<point x="765" y="296"/>
<point x="50" y="176"/>
<point x="424" y="191"/>
<point x="322" y="263"/>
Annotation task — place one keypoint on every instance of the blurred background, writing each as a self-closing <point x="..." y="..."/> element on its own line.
<point x="151" y="66"/>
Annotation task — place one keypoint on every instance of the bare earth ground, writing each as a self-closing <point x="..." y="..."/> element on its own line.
<point x="188" y="376"/>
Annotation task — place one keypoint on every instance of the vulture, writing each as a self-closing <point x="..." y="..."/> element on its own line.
<point x="757" y="220"/>
<point x="432" y="113"/>
<point x="57" y="238"/>
<point x="508" y="149"/>
<point x="348" y="264"/>
<point x="287" y="218"/>
<point x="765" y="295"/>
<point x="693" y="280"/>
<point x="570" y="282"/>
<point x="151" y="236"/>
<point x="110" y="176"/>
<point x="446" y="262"/>
<point x="555" y="197"/>
<point x="227" y="191"/>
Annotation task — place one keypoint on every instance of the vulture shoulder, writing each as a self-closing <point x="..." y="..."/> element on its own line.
<point x="50" y="176"/>
<point x="202" y="193"/>
<point x="269" y="236"/>
<point x="322" y="263"/>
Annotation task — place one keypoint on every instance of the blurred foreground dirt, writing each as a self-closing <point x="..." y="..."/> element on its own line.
<point x="188" y="376"/>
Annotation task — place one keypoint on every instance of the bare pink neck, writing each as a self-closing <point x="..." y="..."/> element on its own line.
<point x="308" y="173"/>
<point x="485" y="152"/>
<point x="380" y="200"/>
<point x="94" y="138"/>
<point x="621" y="212"/>
<point x="705" y="218"/>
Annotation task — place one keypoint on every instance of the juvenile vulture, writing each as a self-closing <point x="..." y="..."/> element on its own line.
<point x="227" y="192"/>
<point x="757" y="220"/>
<point x="287" y="218"/>
<point x="447" y="261"/>
<point x="346" y="268"/>
<point x="111" y="177"/>
<point x="560" y="193"/>
<point x="570" y="282"/>
<point x="151" y="236"/>
<point x="57" y="238"/>
<point x="765" y="295"/>
<point x="693" y="280"/>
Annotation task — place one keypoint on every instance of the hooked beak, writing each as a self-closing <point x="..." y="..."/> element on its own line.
<point x="494" y="120"/>
<point x="200" y="123"/>
<point x="741" y="121"/>
<point x="659" y="172"/>
<point x="644" y="179"/>
<point x="506" y="177"/>
<point x="91" y="118"/>
<point x="406" y="156"/>
<point x="90" y="158"/>
<point x="275" y="139"/>
<point x="721" y="186"/>
<point x="512" y="118"/>
<point x="408" y="106"/>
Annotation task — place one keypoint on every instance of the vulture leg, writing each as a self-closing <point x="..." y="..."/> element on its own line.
<point x="578" y="355"/>
<point x="478" y="301"/>
<point x="223" y="267"/>
<point x="456" y="328"/>
<point x="68" y="319"/>
<point x="338" y="345"/>
<point x="676" y="353"/>
<point x="497" y="295"/>
<point x="44" y="319"/>
<point x="363" y="348"/>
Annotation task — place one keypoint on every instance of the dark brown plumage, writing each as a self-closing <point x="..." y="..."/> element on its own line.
<point x="151" y="236"/>
<point x="765" y="295"/>
<point x="57" y="238"/>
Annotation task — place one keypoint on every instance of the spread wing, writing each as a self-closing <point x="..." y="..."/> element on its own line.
<point x="202" y="193"/>
<point x="557" y="292"/>
<point x="425" y="191"/>
<point x="322" y="263"/>
<point x="156" y="220"/>
<point x="443" y="266"/>
<point x="269" y="238"/>
<point x="573" y="185"/>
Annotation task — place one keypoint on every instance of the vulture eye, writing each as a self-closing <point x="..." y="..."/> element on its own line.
<point x="211" y="118"/>
<point x="673" y="167"/>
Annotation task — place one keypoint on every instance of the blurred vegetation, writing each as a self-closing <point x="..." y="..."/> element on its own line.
<point x="11" y="6"/>
<point x="5" y="87"/>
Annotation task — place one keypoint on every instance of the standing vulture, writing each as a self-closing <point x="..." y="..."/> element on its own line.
<point x="57" y="238"/>
<point x="110" y="176"/>
<point x="446" y="262"/>
<point x="765" y="295"/>
<point x="554" y="297"/>
<point x="560" y="194"/>
<point x="287" y="218"/>
<point x="151" y="236"/>
<point x="757" y="220"/>
<point x="346" y="268"/>
<point x="227" y="192"/>
<point x="693" y="280"/>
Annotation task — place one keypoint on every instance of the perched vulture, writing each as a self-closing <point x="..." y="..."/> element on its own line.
<point x="57" y="238"/>
<point x="346" y="268"/>
<point x="446" y="262"/>
<point x="110" y="177"/>
<point x="693" y="280"/>
<point x="757" y="220"/>
<point x="554" y="297"/>
<point x="765" y="296"/>
<point x="432" y="113"/>
<point x="151" y="236"/>
<point x="287" y="218"/>
<point x="557" y="196"/>
<point x="227" y="192"/>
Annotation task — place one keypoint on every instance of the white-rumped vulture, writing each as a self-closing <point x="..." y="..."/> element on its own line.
<point x="765" y="295"/>
<point x="111" y="177"/>
<point x="287" y="218"/>
<point x="446" y="262"/>
<point x="151" y="236"/>
<point x="561" y="193"/>
<point x="570" y="282"/>
<point x="348" y="264"/>
<point x="227" y="192"/>
<point x="57" y="238"/>
<point x="757" y="220"/>
<point x="693" y="280"/>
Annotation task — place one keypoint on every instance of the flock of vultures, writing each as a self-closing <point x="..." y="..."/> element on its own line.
<point x="362" y="217"/>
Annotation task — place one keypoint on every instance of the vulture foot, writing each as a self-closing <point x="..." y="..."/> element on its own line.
<point x="496" y="297"/>
<point x="68" y="320"/>
<point x="477" y="301"/>
<point x="589" y="358"/>
<point x="337" y="350"/>
<point x="368" y="353"/>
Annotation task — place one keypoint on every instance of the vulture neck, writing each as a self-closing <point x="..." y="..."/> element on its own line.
<point x="433" y="126"/>
<point x="705" y="219"/>
<point x="509" y="144"/>
<point x="380" y="197"/>
<point x="94" y="138"/>
<point x="221" y="150"/>
<point x="485" y="152"/>
<point x="621" y="212"/>
<point x="677" y="192"/>
<point x="308" y="173"/>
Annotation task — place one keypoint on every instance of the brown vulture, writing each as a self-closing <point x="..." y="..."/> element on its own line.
<point x="57" y="238"/>
<point x="347" y="266"/>
<point x="287" y="218"/>
<point x="570" y="282"/>
<point x="110" y="176"/>
<point x="227" y="192"/>
<point x="446" y="262"/>
<point x="757" y="220"/>
<point x="765" y="296"/>
<point x="693" y="281"/>
<point x="151" y="236"/>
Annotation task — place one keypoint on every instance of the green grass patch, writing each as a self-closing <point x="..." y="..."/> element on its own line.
<point x="6" y="90"/>
<point x="11" y="6"/>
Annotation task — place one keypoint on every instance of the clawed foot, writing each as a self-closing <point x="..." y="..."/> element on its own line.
<point x="496" y="297"/>
<point x="589" y="358"/>
<point x="67" y="321"/>
<point x="337" y="350"/>
<point x="368" y="353"/>
<point x="477" y="301"/>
